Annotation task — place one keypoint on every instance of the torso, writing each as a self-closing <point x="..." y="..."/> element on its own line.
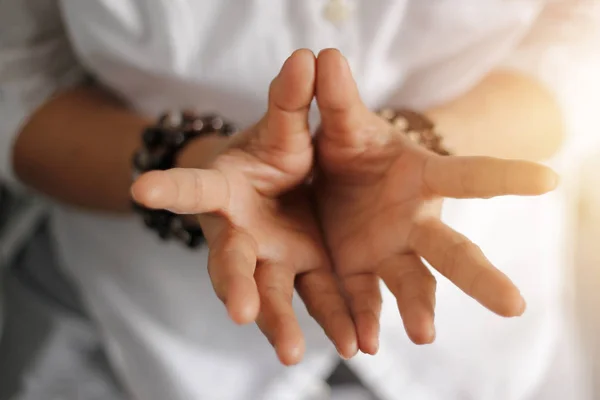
<point x="155" y="301"/>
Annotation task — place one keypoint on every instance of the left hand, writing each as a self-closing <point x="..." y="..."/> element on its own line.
<point x="379" y="198"/>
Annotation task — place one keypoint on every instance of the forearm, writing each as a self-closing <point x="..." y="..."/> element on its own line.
<point x="78" y="149"/>
<point x="506" y="115"/>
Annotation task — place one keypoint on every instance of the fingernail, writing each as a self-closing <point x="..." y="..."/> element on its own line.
<point x="523" y="306"/>
<point x="376" y="347"/>
<point x="353" y="349"/>
<point x="432" y="333"/>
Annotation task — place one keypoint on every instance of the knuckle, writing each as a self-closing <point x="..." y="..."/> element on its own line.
<point x="453" y="256"/>
<point x="468" y="180"/>
<point x="476" y="282"/>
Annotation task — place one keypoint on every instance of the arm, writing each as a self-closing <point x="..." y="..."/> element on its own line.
<point x="78" y="148"/>
<point x="525" y="107"/>
<point x="507" y="115"/>
<point x="65" y="139"/>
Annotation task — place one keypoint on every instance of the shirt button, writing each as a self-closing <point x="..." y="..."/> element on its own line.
<point x="337" y="11"/>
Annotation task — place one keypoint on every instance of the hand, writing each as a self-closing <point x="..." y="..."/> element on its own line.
<point x="379" y="198"/>
<point x="254" y="211"/>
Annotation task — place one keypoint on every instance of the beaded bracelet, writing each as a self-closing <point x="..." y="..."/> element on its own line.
<point x="417" y="127"/>
<point x="161" y="144"/>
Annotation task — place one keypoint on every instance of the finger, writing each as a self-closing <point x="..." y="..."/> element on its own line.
<point x="183" y="190"/>
<point x="321" y="295"/>
<point x="277" y="319"/>
<point x="484" y="177"/>
<point x="463" y="263"/>
<point x="285" y="128"/>
<point x="346" y="119"/>
<point x="364" y="298"/>
<point x="231" y="265"/>
<point x="413" y="285"/>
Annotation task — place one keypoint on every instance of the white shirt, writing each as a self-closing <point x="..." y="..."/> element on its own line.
<point x="167" y="333"/>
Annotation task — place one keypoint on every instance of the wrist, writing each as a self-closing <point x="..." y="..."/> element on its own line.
<point x="447" y="124"/>
<point x="201" y="152"/>
<point x="179" y="139"/>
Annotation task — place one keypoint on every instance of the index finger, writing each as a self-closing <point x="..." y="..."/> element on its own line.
<point x="485" y="177"/>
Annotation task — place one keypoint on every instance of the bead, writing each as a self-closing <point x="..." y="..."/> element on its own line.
<point x="171" y="120"/>
<point x="400" y="123"/>
<point x="152" y="137"/>
<point x="161" y="145"/>
<point x="198" y="126"/>
<point x="141" y="160"/>
<point x="149" y="221"/>
<point x="387" y="113"/>
<point x="216" y="123"/>
<point x="228" y="130"/>
<point x="196" y="237"/>
<point x="189" y="116"/>
<point x="177" y="224"/>
<point x="428" y="135"/>
<point x="176" y="139"/>
<point x="414" y="136"/>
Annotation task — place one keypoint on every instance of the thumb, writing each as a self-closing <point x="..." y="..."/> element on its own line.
<point x="285" y="129"/>
<point x="346" y="120"/>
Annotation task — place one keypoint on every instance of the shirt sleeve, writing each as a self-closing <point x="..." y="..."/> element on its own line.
<point x="36" y="61"/>
<point x="562" y="51"/>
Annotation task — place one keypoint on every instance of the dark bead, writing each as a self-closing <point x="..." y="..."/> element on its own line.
<point x="167" y="161"/>
<point x="195" y="241"/>
<point x="149" y="221"/>
<point x="162" y="222"/>
<point x="177" y="224"/>
<point x="141" y="160"/>
<point x="164" y="232"/>
<point x="176" y="139"/>
<point x="189" y="116"/>
<point x="228" y="130"/>
<point x="152" y="137"/>
<point x="196" y="237"/>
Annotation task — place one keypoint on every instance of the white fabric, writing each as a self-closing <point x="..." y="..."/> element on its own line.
<point x="168" y="334"/>
<point x="35" y="61"/>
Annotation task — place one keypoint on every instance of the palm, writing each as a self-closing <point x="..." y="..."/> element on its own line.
<point x="384" y="209"/>
<point x="379" y="197"/>
<point x="258" y="223"/>
<point x="281" y="226"/>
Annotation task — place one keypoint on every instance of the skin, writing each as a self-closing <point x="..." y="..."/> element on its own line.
<point x="255" y="213"/>
<point x="391" y="189"/>
<point x="268" y="232"/>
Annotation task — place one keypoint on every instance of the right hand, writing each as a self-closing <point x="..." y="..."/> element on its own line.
<point x="258" y="222"/>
